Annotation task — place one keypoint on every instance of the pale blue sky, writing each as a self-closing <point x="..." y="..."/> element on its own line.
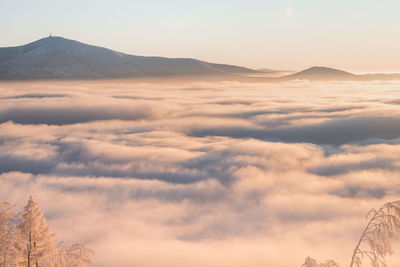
<point x="355" y="35"/>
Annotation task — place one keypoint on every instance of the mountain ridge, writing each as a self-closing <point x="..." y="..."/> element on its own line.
<point x="60" y="58"/>
<point x="321" y="72"/>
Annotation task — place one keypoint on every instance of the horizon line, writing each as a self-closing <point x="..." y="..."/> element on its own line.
<point x="281" y="70"/>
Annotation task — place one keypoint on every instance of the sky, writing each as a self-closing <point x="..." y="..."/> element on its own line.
<point x="354" y="35"/>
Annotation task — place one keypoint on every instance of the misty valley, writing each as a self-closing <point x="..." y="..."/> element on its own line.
<point x="208" y="173"/>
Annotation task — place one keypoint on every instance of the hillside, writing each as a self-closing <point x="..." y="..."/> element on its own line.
<point x="321" y="73"/>
<point x="60" y="58"/>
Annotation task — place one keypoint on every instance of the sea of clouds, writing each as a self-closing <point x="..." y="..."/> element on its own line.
<point x="202" y="174"/>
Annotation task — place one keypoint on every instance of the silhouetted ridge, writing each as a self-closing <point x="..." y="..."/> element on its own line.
<point x="60" y="58"/>
<point x="322" y="73"/>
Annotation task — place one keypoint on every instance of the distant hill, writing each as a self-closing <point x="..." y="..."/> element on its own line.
<point x="321" y="74"/>
<point x="330" y="74"/>
<point x="60" y="58"/>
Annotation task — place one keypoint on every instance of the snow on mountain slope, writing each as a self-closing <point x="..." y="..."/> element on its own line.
<point x="60" y="58"/>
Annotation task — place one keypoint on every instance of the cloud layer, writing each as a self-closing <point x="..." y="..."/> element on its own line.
<point x="223" y="174"/>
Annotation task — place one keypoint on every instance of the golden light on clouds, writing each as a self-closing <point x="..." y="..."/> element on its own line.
<point x="205" y="174"/>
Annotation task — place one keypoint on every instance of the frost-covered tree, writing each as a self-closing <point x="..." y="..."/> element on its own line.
<point x="37" y="242"/>
<point x="31" y="243"/>
<point x="310" y="262"/>
<point x="57" y="258"/>
<point x="78" y="256"/>
<point x="374" y="243"/>
<point x="8" y="236"/>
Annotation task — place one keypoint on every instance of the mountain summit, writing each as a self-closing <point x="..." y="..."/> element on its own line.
<point x="321" y="73"/>
<point x="60" y="58"/>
